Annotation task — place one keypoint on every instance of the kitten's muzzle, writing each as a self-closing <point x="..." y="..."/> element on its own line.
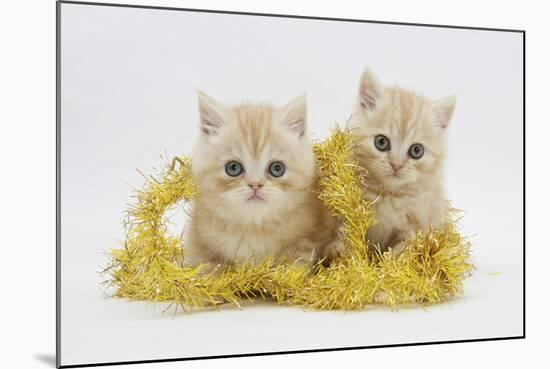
<point x="255" y="186"/>
<point x="396" y="167"/>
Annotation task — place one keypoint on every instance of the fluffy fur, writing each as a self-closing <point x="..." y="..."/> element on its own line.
<point x="408" y="193"/>
<point x="254" y="215"/>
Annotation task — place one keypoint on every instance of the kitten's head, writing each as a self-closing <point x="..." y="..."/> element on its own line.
<point x="402" y="134"/>
<point x="252" y="162"/>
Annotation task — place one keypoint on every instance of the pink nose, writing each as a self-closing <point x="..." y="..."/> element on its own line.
<point x="396" y="167"/>
<point x="255" y="185"/>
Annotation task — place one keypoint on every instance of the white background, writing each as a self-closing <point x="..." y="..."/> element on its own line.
<point x="29" y="303"/>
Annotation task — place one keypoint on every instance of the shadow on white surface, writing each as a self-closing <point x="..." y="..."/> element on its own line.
<point x="47" y="359"/>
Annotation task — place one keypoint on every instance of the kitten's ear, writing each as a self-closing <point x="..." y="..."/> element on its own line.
<point x="443" y="111"/>
<point x="213" y="114"/>
<point x="294" y="115"/>
<point x="370" y="90"/>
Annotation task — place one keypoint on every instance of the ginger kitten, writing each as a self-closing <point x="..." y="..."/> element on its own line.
<point x="255" y="173"/>
<point x="402" y="146"/>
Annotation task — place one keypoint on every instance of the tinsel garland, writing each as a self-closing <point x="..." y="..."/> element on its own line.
<point x="150" y="265"/>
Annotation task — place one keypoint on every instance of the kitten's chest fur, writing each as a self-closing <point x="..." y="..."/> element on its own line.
<point x="241" y="244"/>
<point x="399" y="214"/>
<point x="298" y="233"/>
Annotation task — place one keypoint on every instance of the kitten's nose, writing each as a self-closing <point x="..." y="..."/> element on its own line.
<point x="255" y="185"/>
<point x="396" y="167"/>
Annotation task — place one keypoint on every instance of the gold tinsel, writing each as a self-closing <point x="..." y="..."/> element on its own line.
<point x="150" y="265"/>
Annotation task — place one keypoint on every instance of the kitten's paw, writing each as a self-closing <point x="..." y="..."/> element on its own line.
<point x="333" y="250"/>
<point x="203" y="266"/>
<point x="398" y="248"/>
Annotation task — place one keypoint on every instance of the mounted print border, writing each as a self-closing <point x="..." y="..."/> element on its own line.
<point x="60" y="150"/>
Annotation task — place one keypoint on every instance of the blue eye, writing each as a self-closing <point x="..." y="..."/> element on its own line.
<point x="416" y="151"/>
<point x="233" y="168"/>
<point x="276" y="169"/>
<point x="382" y="143"/>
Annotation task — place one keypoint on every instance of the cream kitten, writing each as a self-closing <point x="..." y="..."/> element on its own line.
<point x="254" y="169"/>
<point x="402" y="146"/>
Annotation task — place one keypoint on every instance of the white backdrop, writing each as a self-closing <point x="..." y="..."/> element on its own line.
<point x="128" y="94"/>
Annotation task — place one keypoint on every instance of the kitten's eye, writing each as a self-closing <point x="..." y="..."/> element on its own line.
<point x="382" y="143"/>
<point x="276" y="169"/>
<point x="233" y="168"/>
<point x="416" y="151"/>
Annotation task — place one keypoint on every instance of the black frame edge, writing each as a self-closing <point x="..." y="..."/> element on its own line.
<point x="272" y="15"/>
<point x="524" y="188"/>
<point x="290" y="352"/>
<point x="58" y="184"/>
